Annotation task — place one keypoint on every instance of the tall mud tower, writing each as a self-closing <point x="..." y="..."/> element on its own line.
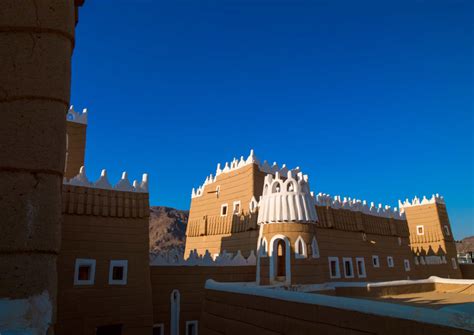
<point x="36" y="45"/>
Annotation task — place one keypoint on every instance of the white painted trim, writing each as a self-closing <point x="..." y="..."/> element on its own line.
<point x="422" y="230"/>
<point x="446" y="230"/>
<point x="273" y="241"/>
<point x="227" y="209"/>
<point x="117" y="263"/>
<point x="378" y="261"/>
<point x="364" y="272"/>
<point x="348" y="260"/>
<point x="338" y="269"/>
<point x="161" y="326"/>
<point x="299" y="254"/>
<point x="448" y="318"/>
<point x="315" y="248"/>
<point x="406" y="264"/>
<point x="82" y="262"/>
<point x="263" y="247"/>
<point x="390" y="262"/>
<point x="196" y="323"/>
<point x="233" y="207"/>
<point x="174" y="312"/>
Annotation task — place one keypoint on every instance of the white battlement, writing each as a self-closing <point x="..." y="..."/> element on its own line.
<point x="435" y="198"/>
<point x="286" y="200"/>
<point x="323" y="199"/>
<point x="77" y="117"/>
<point x="173" y="258"/>
<point x="236" y="164"/>
<point x="103" y="183"/>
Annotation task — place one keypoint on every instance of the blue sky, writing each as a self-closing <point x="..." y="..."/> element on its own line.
<point x="372" y="99"/>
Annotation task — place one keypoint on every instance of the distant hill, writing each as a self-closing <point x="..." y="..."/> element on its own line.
<point x="466" y="244"/>
<point x="167" y="228"/>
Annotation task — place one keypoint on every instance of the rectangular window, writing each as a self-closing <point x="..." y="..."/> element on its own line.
<point x="191" y="327"/>
<point x="406" y="262"/>
<point x="420" y="230"/>
<point x="390" y="261"/>
<point x="454" y="264"/>
<point x="84" y="271"/>
<point x="118" y="271"/>
<point x="236" y="207"/>
<point x="361" y="267"/>
<point x="224" y="210"/>
<point x="446" y="231"/>
<point x="334" y="271"/>
<point x="159" y="329"/>
<point x="375" y="261"/>
<point x="348" y="268"/>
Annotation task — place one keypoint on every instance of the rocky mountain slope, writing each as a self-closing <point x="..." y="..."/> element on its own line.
<point x="466" y="244"/>
<point x="167" y="228"/>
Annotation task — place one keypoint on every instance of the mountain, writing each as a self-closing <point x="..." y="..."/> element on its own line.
<point x="466" y="244"/>
<point x="167" y="228"/>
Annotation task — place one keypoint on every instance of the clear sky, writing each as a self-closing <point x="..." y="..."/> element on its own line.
<point x="373" y="100"/>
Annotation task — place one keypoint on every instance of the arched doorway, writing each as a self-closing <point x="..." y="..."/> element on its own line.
<point x="174" y="322"/>
<point x="280" y="269"/>
<point x="280" y="261"/>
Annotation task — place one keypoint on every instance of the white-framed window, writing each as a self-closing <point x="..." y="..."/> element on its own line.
<point x="446" y="231"/>
<point x="348" y="267"/>
<point x="263" y="247"/>
<point x="334" y="271"/>
<point x="192" y="327"/>
<point x="360" y="263"/>
<point x="406" y="263"/>
<point x="84" y="271"/>
<point x="453" y="263"/>
<point x="314" y="248"/>
<point x="224" y="210"/>
<point x="375" y="261"/>
<point x="159" y="329"/>
<point x="118" y="272"/>
<point x="417" y="262"/>
<point x="300" y="248"/>
<point x="253" y="205"/>
<point x="218" y="190"/>
<point x="390" y="261"/>
<point x="236" y="207"/>
<point x="420" y="230"/>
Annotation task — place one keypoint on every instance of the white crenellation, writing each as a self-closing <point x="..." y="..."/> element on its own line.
<point x="103" y="183"/>
<point x="323" y="199"/>
<point x="174" y="258"/>
<point x="77" y="117"/>
<point x="286" y="200"/>
<point x="435" y="198"/>
<point x="236" y="164"/>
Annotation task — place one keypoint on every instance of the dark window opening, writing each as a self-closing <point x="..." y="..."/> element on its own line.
<point x="84" y="272"/>
<point x="333" y="268"/>
<point x="117" y="273"/>
<point x="348" y="268"/>
<point x="109" y="330"/>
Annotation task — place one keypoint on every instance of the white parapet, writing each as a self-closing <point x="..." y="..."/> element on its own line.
<point x="77" y="117"/>
<point x="174" y="258"/>
<point x="103" y="183"/>
<point x="236" y="164"/>
<point x="286" y="200"/>
<point x="435" y="198"/>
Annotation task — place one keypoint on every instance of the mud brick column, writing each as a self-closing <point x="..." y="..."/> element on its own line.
<point x="36" y="44"/>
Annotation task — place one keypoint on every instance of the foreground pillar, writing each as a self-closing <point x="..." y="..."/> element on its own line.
<point x="36" y="44"/>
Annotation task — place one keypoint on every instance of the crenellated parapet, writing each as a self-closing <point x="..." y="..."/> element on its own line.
<point x="173" y="258"/>
<point x="435" y="199"/>
<point x="338" y="202"/>
<point x="103" y="183"/>
<point x="287" y="200"/>
<point x="100" y="198"/>
<point x="237" y="164"/>
<point x="77" y="117"/>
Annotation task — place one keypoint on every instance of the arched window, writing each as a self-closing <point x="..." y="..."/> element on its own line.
<point x="276" y="188"/>
<point x="314" y="248"/>
<point x="290" y="187"/>
<point x="263" y="248"/>
<point x="175" y="306"/>
<point x="300" y="248"/>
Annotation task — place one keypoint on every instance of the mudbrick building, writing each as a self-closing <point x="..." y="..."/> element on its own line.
<point x="264" y="255"/>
